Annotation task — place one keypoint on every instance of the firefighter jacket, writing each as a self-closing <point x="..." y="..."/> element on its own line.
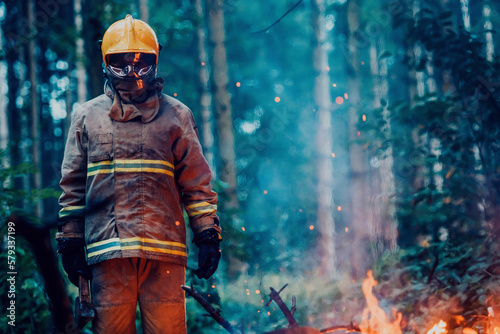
<point x="125" y="182"/>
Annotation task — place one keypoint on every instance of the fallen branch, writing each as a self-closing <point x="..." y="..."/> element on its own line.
<point x="349" y="328"/>
<point x="289" y="316"/>
<point x="433" y="270"/>
<point x="212" y="312"/>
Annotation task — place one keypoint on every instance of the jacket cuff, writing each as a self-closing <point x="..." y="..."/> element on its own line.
<point x="72" y="228"/>
<point x="206" y="224"/>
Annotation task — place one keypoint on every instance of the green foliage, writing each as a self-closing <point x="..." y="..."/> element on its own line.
<point x="453" y="157"/>
<point x="33" y="313"/>
<point x="438" y="281"/>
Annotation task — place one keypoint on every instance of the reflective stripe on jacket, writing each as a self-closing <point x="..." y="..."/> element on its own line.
<point x="125" y="183"/>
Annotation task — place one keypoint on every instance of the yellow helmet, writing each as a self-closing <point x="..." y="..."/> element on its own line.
<point x="129" y="35"/>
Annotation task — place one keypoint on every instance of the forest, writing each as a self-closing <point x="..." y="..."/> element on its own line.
<point x="354" y="147"/>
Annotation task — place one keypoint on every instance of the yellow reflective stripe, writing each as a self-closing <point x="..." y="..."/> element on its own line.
<point x="197" y="205"/>
<point x="100" y="163"/>
<point x="72" y="208"/>
<point x="125" y="168"/>
<point x="102" y="251"/>
<point x="101" y="171"/>
<point x="76" y="210"/>
<point x="195" y="213"/>
<point x="154" y="241"/>
<point x="145" y="161"/>
<point x="153" y="249"/>
<point x="143" y="169"/>
<point x="100" y="243"/>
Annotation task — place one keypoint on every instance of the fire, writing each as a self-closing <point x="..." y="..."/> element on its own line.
<point x="375" y="321"/>
<point x="374" y="318"/>
<point x="439" y="328"/>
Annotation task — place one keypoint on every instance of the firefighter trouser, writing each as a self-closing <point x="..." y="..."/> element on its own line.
<point x="119" y="284"/>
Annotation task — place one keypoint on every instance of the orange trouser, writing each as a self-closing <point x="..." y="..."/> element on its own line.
<point x="118" y="284"/>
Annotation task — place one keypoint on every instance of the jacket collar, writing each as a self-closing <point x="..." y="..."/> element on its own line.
<point x="124" y="112"/>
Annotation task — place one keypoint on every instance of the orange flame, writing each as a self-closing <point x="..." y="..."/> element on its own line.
<point x="439" y="328"/>
<point x="374" y="318"/>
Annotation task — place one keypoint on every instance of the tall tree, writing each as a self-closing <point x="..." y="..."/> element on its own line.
<point x="222" y="101"/>
<point x="4" y="129"/>
<point x="35" y="111"/>
<point x="490" y="46"/>
<point x="81" y="74"/>
<point x="93" y="30"/>
<point x="143" y="10"/>
<point x="322" y="98"/>
<point x="206" y="95"/>
<point x="384" y="231"/>
<point x="360" y="205"/>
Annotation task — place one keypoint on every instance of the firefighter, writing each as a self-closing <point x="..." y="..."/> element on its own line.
<point x="132" y="162"/>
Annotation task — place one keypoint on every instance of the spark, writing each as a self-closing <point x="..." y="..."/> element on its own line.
<point x="311" y="227"/>
<point x="346" y="229"/>
<point x="364" y="118"/>
<point x="202" y="63"/>
<point x="265" y="192"/>
<point x="334" y="85"/>
<point x="277" y="99"/>
<point x="238" y="84"/>
<point x="243" y="228"/>
<point x="339" y="208"/>
<point x="346" y="96"/>
<point x="333" y="155"/>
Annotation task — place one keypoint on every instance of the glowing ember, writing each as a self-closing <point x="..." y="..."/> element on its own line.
<point x="374" y="318"/>
<point x="440" y="328"/>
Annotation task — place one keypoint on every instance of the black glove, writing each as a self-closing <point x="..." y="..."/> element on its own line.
<point x="209" y="252"/>
<point x="73" y="259"/>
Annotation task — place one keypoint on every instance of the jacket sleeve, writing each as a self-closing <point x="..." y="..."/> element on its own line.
<point x="193" y="177"/>
<point x="73" y="181"/>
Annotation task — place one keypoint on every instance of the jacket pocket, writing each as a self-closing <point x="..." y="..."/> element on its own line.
<point x="101" y="147"/>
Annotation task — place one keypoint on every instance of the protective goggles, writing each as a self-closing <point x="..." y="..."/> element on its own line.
<point x="124" y="70"/>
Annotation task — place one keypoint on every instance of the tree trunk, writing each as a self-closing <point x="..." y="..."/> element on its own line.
<point x="144" y="10"/>
<point x="490" y="46"/>
<point x="93" y="32"/>
<point x="385" y="225"/>
<point x="34" y="111"/>
<point x="465" y="14"/>
<point x="13" y="51"/>
<point x="361" y="215"/>
<point x="206" y="95"/>
<point x="4" y="129"/>
<point x="222" y="101"/>
<point x="81" y="74"/>
<point x="326" y="223"/>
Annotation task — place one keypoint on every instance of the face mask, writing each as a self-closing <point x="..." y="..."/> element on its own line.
<point x="133" y="89"/>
